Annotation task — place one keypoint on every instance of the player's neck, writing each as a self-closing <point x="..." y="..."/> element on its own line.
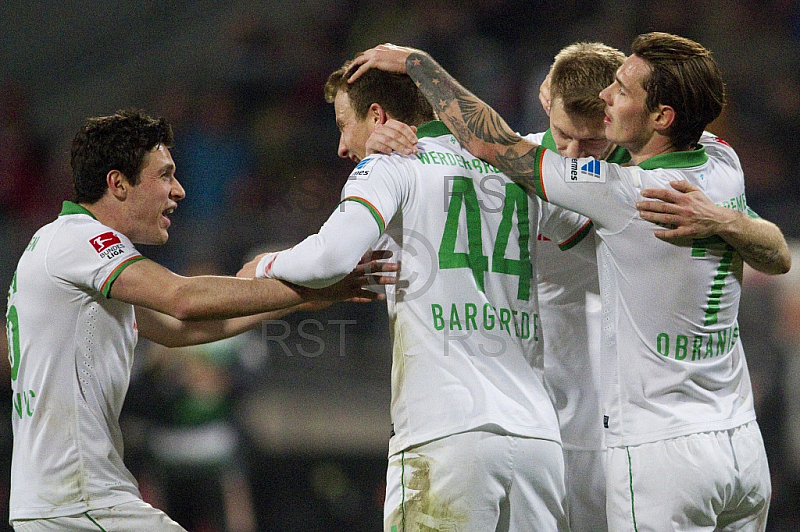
<point x="656" y="145"/>
<point x="106" y="214"/>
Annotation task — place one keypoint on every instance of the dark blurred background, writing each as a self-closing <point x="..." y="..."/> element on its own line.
<point x="286" y="428"/>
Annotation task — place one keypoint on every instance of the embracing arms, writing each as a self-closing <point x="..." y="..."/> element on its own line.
<point x="475" y="125"/>
<point x="486" y="135"/>
<point x="686" y="212"/>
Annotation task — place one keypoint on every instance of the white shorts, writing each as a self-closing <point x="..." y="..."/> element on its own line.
<point x="477" y="481"/>
<point x="707" y="481"/>
<point x="135" y="516"/>
<point x="586" y="490"/>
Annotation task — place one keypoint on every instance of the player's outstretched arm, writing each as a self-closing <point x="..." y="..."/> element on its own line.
<point x="477" y="126"/>
<point x="148" y="284"/>
<point x="170" y="331"/>
<point x="206" y="297"/>
<point x="328" y="256"/>
<point x="370" y="271"/>
<point x="688" y="213"/>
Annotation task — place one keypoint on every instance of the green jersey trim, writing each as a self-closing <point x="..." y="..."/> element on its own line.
<point x="69" y="207"/>
<point x="372" y="210"/>
<point x="577" y="237"/>
<point x="536" y="178"/>
<point x="106" y="288"/>
<point x="435" y="128"/>
<point x="676" y="159"/>
<point x="548" y="141"/>
<point x="403" y="490"/>
<point x="619" y="156"/>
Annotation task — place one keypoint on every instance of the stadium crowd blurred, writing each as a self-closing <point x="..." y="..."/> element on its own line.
<point x="303" y="417"/>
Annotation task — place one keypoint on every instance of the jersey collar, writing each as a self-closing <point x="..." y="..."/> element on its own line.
<point x="619" y="156"/>
<point x="435" y="128"/>
<point x="548" y="141"/>
<point x="677" y="159"/>
<point x="69" y="207"/>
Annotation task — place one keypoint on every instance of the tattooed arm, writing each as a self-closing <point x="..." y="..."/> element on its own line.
<point x="477" y="126"/>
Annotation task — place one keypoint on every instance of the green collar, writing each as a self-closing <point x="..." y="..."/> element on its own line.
<point x="548" y="141"/>
<point x="676" y="159"/>
<point x="69" y="207"/>
<point x="619" y="156"/>
<point x="435" y="128"/>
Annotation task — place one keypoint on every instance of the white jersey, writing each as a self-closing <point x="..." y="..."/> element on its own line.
<point x="71" y="351"/>
<point x="569" y="325"/>
<point x="672" y="361"/>
<point x="464" y="319"/>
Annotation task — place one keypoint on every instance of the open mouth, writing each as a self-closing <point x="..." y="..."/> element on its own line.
<point x="166" y="213"/>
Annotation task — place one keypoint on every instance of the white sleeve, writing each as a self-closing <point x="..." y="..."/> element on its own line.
<point x="566" y="228"/>
<point x="328" y="256"/>
<point x="586" y="249"/>
<point x="371" y="197"/>
<point x="604" y="192"/>
<point x="90" y="255"/>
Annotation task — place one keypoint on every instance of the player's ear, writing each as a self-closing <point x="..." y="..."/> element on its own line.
<point x="663" y="117"/>
<point x="118" y="184"/>
<point x="377" y="114"/>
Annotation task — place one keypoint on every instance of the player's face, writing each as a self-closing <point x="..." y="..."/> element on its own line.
<point x="627" y="122"/>
<point x="576" y="136"/>
<point x="353" y="132"/>
<point x="154" y="198"/>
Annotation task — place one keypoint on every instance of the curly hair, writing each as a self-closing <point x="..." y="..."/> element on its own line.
<point x="117" y="142"/>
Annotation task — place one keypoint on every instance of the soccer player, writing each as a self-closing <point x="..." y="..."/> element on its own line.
<point x="78" y="300"/>
<point x="568" y="300"/>
<point x="475" y="443"/>
<point x="678" y="408"/>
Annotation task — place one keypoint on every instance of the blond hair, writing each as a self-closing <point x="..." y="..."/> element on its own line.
<point x="578" y="74"/>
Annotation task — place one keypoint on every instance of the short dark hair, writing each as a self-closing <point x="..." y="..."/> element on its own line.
<point x="684" y="76"/>
<point x="116" y="142"/>
<point x="578" y="74"/>
<point x="396" y="93"/>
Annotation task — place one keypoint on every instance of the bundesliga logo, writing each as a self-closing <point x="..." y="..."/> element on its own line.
<point x="102" y="242"/>
<point x="107" y="245"/>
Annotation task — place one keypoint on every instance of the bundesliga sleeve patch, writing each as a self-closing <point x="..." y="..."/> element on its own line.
<point x="721" y="141"/>
<point x="107" y="245"/>
<point x="585" y="171"/>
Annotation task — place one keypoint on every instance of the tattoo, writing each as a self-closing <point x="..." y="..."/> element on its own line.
<point x="441" y="90"/>
<point x="484" y="122"/>
<point x="519" y="168"/>
<point x="755" y="253"/>
<point x="477" y="126"/>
